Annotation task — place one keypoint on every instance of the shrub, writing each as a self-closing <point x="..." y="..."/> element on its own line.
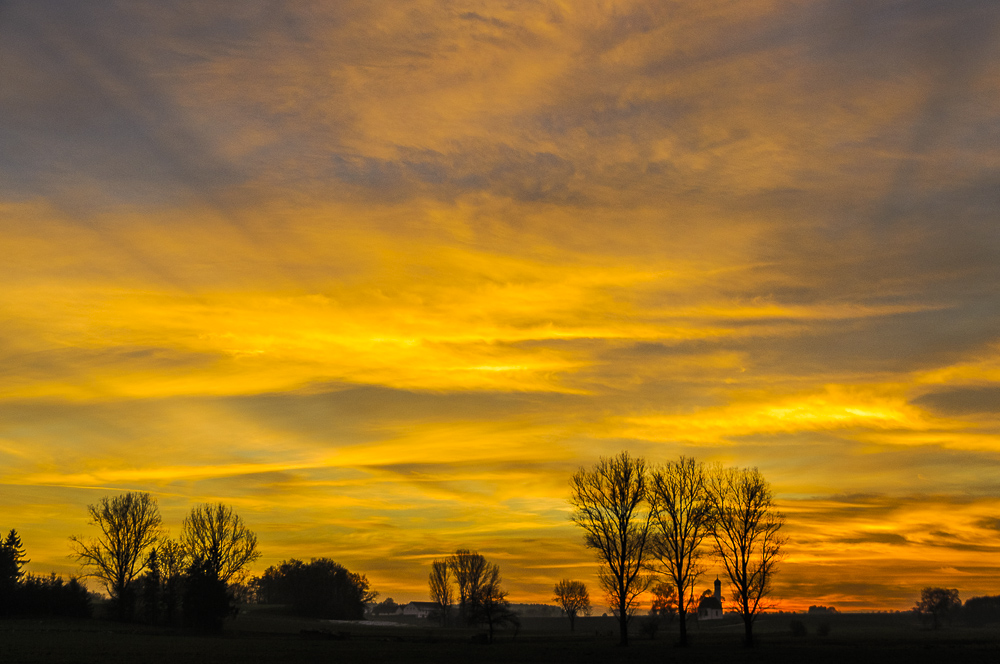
<point x="798" y="628"/>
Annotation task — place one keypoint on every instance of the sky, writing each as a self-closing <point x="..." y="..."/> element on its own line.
<point x="383" y="275"/>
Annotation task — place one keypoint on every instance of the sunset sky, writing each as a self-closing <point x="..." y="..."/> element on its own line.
<point x="383" y="275"/>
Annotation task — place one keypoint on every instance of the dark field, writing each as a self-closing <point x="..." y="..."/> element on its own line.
<point x="266" y="636"/>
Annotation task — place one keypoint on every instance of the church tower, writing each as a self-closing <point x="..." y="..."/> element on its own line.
<point x="710" y="606"/>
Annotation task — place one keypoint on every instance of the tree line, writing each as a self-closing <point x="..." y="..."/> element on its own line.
<point x="23" y="594"/>
<point x="151" y="577"/>
<point x="939" y="605"/>
<point x="651" y="529"/>
<point x="193" y="581"/>
<point x="646" y="523"/>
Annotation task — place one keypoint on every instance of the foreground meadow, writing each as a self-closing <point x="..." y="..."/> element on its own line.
<point x="268" y="636"/>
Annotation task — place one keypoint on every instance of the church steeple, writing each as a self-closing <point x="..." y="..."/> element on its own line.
<point x="718" y="589"/>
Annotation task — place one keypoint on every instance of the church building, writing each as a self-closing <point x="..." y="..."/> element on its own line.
<point x="710" y="606"/>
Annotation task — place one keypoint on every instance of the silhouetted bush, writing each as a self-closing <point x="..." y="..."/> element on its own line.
<point x="823" y="629"/>
<point x="320" y="589"/>
<point x="798" y="628"/>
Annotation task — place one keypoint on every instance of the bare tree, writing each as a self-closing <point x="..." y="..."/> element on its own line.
<point x="573" y="597"/>
<point x="130" y="525"/>
<point x="610" y="502"/>
<point x="174" y="561"/>
<point x="746" y="529"/>
<point x="217" y="535"/>
<point x="489" y="603"/>
<point x="442" y="593"/>
<point x="469" y="568"/>
<point x="664" y="601"/>
<point x="679" y="496"/>
<point x="663" y="609"/>
<point x="173" y="558"/>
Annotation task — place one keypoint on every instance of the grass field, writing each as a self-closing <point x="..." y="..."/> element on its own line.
<point x="268" y="636"/>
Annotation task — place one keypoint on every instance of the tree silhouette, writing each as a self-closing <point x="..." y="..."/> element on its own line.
<point x="746" y="530"/>
<point x="442" y="593"/>
<point x="664" y="601"/>
<point x="663" y="609"/>
<point x="12" y="561"/>
<point x="481" y="599"/>
<point x="682" y="510"/>
<point x="610" y="501"/>
<point x="206" y="600"/>
<point x="13" y="556"/>
<point x="573" y="597"/>
<point x="39" y="595"/>
<point x="980" y="610"/>
<point x="173" y="563"/>
<point x="152" y="588"/>
<point x="469" y="569"/>
<point x="217" y="535"/>
<point x="130" y="525"/>
<point x="489" y="604"/>
<point x="319" y="589"/>
<point x="937" y="603"/>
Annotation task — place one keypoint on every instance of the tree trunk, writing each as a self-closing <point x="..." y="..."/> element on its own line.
<point x="682" y="616"/>
<point x="623" y="626"/>
<point x="572" y="622"/>
<point x="748" y="625"/>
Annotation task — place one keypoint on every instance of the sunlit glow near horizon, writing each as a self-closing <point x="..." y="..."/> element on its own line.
<point x="383" y="275"/>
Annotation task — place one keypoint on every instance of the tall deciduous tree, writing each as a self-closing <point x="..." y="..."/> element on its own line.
<point x="573" y="598"/>
<point x="217" y="535"/>
<point x="442" y="592"/>
<point x="610" y="505"/>
<point x="679" y="496"/>
<point x="469" y="568"/>
<point x="130" y="525"/>
<point x="746" y="529"/>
